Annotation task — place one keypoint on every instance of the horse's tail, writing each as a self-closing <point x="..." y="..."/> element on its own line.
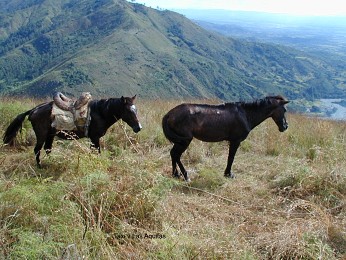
<point x="169" y="133"/>
<point x="14" y="127"/>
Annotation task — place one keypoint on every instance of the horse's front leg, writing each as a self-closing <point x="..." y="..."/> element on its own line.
<point x="233" y="147"/>
<point x="95" y="143"/>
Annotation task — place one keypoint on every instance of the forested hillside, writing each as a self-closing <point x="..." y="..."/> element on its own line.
<point x="114" y="47"/>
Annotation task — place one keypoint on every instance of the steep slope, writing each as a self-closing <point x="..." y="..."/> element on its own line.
<point x="113" y="47"/>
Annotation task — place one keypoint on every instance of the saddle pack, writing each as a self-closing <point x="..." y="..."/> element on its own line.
<point x="71" y="114"/>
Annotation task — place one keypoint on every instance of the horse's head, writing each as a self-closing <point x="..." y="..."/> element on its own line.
<point x="278" y="112"/>
<point x="129" y="114"/>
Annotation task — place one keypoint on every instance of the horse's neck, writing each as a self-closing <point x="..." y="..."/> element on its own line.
<point x="110" y="111"/>
<point x="113" y="111"/>
<point x="256" y="116"/>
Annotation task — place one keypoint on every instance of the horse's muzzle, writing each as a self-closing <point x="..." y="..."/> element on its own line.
<point x="137" y="128"/>
<point x="284" y="127"/>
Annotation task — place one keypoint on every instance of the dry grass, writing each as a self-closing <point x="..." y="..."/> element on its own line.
<point x="287" y="201"/>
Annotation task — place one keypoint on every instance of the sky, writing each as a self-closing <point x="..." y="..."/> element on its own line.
<point x="295" y="7"/>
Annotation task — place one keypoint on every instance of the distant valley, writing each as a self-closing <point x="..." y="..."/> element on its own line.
<point x="320" y="36"/>
<point x="313" y="34"/>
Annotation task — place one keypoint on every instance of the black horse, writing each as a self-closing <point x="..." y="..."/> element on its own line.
<point x="214" y="123"/>
<point x="103" y="114"/>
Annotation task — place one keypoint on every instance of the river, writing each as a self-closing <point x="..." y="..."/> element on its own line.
<point x="340" y="111"/>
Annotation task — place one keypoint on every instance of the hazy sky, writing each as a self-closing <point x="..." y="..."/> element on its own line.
<point x="300" y="7"/>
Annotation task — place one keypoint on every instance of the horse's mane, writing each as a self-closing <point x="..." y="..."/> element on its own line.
<point x="262" y="102"/>
<point x="103" y="103"/>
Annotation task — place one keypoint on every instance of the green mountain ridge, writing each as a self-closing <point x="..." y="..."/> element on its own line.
<point x="114" y="47"/>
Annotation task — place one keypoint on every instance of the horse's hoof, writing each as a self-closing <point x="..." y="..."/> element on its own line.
<point x="176" y="176"/>
<point x="231" y="176"/>
<point x="187" y="180"/>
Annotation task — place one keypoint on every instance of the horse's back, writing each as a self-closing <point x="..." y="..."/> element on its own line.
<point x="210" y="123"/>
<point x="40" y="117"/>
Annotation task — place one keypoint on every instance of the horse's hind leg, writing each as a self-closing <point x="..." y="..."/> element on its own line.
<point x="174" y="164"/>
<point x="176" y="153"/>
<point x="37" y="151"/>
<point x="49" y="141"/>
<point x="41" y="137"/>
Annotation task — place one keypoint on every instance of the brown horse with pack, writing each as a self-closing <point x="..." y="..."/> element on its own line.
<point x="74" y="119"/>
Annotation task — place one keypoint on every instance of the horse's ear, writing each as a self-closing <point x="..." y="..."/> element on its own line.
<point x="284" y="102"/>
<point x="134" y="97"/>
<point x="123" y="99"/>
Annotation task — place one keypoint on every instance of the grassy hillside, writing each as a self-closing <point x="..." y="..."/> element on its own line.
<point x="111" y="45"/>
<point x="286" y="202"/>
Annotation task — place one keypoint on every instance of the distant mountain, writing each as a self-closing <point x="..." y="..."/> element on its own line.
<point x="114" y="47"/>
